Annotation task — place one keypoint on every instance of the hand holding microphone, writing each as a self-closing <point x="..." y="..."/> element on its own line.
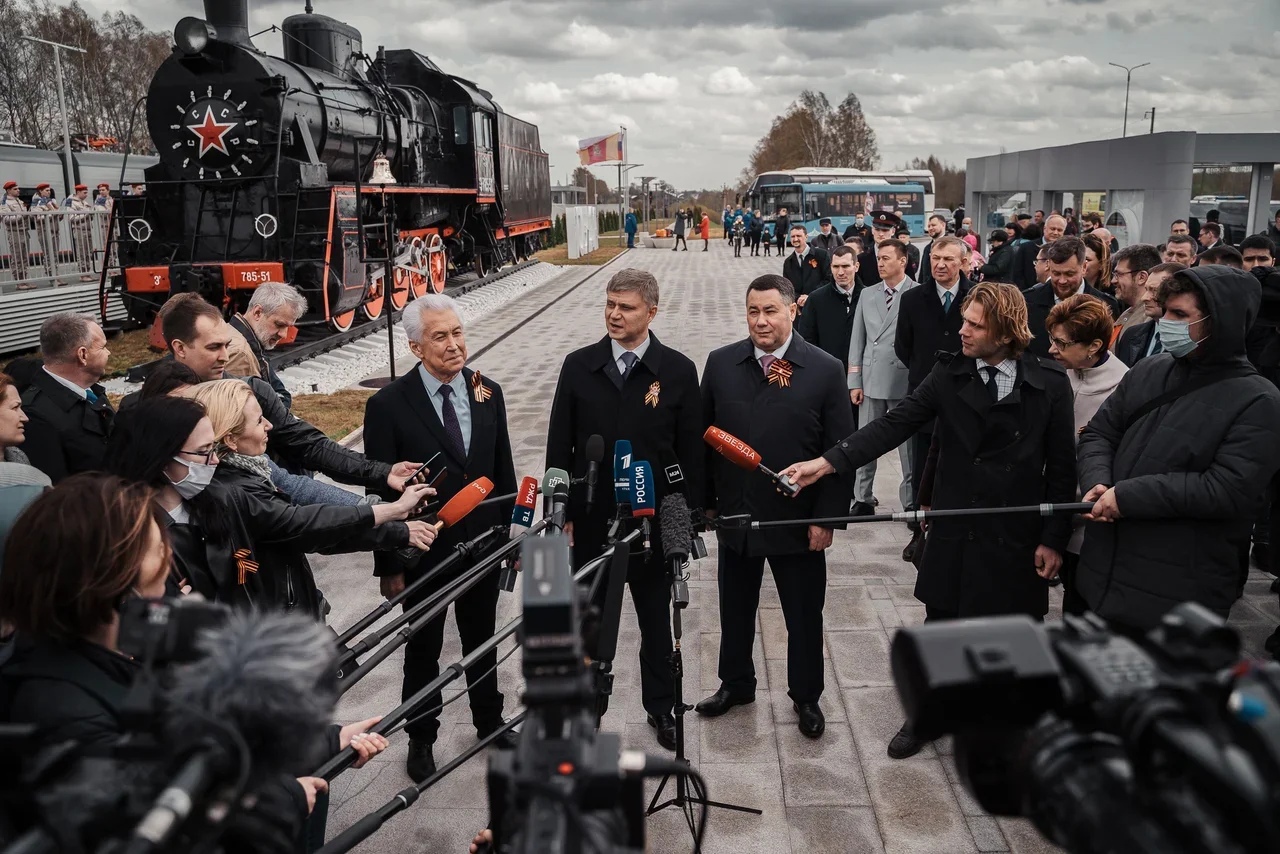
<point x="808" y="472"/>
<point x="744" y="456"/>
<point x="423" y="534"/>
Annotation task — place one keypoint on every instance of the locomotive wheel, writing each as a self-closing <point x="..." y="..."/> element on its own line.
<point x="400" y="292"/>
<point x="342" y="322"/>
<point x="418" y="285"/>
<point x="438" y="264"/>
<point x="373" y="308"/>
<point x="478" y="266"/>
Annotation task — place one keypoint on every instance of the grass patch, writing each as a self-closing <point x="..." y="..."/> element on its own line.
<point x="127" y="350"/>
<point x="560" y="255"/>
<point x="335" y="415"/>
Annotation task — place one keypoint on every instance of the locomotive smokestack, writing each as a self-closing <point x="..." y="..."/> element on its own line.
<point x="231" y="19"/>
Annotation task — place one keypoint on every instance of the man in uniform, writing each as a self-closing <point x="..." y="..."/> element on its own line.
<point x="46" y="226"/>
<point x="629" y="385"/>
<point x="81" y="236"/>
<point x="884" y="225"/>
<point x="782" y="396"/>
<point x="15" y="230"/>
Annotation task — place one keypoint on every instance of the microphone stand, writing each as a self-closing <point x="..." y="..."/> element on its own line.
<point x="460" y="551"/>
<point x="422" y="614"/>
<point x="744" y="521"/>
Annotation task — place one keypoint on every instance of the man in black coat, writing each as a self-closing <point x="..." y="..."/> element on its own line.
<point x="444" y="407"/>
<point x="808" y="267"/>
<point x="935" y="226"/>
<point x="1005" y="437"/>
<point x="69" y="411"/>
<point x="781" y="230"/>
<point x="827" y="320"/>
<point x="783" y="397"/>
<point x="858" y="229"/>
<point x="1066" y="278"/>
<point x="629" y="385"/>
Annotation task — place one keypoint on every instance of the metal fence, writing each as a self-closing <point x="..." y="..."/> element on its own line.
<point x="51" y="248"/>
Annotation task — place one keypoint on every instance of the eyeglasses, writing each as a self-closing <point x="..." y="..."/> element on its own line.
<point x="209" y="454"/>
<point x="1060" y="344"/>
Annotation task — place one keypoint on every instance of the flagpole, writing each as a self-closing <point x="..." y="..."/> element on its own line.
<point x="620" y="163"/>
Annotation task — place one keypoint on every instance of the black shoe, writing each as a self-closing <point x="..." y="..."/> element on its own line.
<point x="665" y="725"/>
<point x="720" y="702"/>
<point x="506" y="741"/>
<point x="812" y="721"/>
<point x="904" y="744"/>
<point x="909" y="553"/>
<point x="421" y="763"/>
<point x="862" y="508"/>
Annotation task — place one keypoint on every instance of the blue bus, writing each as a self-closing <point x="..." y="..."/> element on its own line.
<point x="811" y="193"/>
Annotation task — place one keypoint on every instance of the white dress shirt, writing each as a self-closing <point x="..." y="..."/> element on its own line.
<point x="780" y="353"/>
<point x="618" y="350"/>
<point x="67" y="383"/>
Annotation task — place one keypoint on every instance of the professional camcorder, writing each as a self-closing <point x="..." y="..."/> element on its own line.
<point x="1166" y="743"/>
<point x="227" y="710"/>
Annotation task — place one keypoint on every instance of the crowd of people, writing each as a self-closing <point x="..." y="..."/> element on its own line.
<point x="69" y="232"/>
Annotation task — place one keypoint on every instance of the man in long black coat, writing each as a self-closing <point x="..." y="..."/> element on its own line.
<point x="1066" y="278"/>
<point x="827" y="320"/>
<point x="654" y="404"/>
<point x="808" y="267"/>
<point x="783" y="397"/>
<point x="1005" y="438"/>
<point x="442" y="406"/>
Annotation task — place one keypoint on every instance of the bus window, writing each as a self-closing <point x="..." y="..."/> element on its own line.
<point x="780" y="197"/>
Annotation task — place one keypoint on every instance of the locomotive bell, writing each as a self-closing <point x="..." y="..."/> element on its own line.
<point x="382" y="171"/>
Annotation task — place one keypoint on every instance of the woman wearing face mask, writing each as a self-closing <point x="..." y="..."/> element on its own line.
<point x="1079" y="328"/>
<point x="240" y="433"/>
<point x="169" y="444"/>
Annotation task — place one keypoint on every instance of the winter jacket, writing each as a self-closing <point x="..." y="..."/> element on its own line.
<point x="1188" y="475"/>
<point x="998" y="264"/>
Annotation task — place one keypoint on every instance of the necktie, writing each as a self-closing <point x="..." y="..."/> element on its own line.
<point x="629" y="360"/>
<point x="1156" y="346"/>
<point x="888" y="299"/>
<point x="90" y="396"/>
<point x="991" y="383"/>
<point x="946" y="302"/>
<point x="449" y="417"/>
<point x="766" y="362"/>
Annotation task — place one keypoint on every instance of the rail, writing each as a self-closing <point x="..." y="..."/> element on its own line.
<point x="46" y="249"/>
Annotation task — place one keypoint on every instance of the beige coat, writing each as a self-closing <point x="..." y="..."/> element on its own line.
<point x="1090" y="388"/>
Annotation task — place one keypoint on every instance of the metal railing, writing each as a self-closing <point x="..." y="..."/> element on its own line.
<point x="40" y="249"/>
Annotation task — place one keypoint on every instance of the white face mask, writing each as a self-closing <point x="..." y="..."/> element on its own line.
<point x="199" y="476"/>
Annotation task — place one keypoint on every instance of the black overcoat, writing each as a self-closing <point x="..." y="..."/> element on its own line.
<point x="827" y="321"/>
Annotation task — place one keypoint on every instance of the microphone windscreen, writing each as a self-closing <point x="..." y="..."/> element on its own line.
<point x="270" y="676"/>
<point x="551" y="478"/>
<point x="676" y="526"/>
<point x="622" y="472"/>
<point x="464" y="501"/>
<point x="643" y="500"/>
<point x="526" y="500"/>
<point x="731" y="448"/>
<point x="595" y="448"/>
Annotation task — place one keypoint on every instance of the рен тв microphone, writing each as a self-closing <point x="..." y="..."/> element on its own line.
<point x="744" y="456"/>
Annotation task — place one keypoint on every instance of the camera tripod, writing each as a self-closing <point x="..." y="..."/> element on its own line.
<point x="683" y="799"/>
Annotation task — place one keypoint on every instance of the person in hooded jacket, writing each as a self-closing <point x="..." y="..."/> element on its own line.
<point x="1177" y="457"/>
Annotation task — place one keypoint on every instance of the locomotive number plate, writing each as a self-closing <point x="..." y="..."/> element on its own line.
<point x="251" y="274"/>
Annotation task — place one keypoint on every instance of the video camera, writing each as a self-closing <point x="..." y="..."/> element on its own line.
<point x="1166" y="743"/>
<point x="565" y="788"/>
<point x="227" y="708"/>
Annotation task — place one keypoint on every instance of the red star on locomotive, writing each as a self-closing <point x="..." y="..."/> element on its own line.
<point x="211" y="133"/>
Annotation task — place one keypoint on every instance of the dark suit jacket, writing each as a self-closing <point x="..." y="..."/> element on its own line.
<point x="1018" y="451"/>
<point x="784" y="425"/>
<point x="66" y="434"/>
<point x="400" y="423"/>
<point x="868" y="270"/>
<point x="812" y="274"/>
<point x="1022" y="269"/>
<point x="923" y="330"/>
<point x="591" y="398"/>
<point x="1040" y="303"/>
<point x="926" y="266"/>
<point x="1133" y="343"/>
<point x="827" y="321"/>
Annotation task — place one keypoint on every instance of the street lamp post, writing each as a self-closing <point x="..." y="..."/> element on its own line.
<point x="622" y="169"/>
<point x="62" y="106"/>
<point x="1128" y="74"/>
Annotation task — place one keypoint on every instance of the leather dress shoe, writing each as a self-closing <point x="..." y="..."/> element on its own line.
<point x="665" y="725"/>
<point x="905" y="744"/>
<point x="720" y="702"/>
<point x="812" y="722"/>
<point x="507" y="741"/>
<point x="421" y="763"/>
<point x="862" y="508"/>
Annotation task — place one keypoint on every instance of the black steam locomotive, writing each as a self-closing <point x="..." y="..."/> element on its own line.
<point x="276" y="169"/>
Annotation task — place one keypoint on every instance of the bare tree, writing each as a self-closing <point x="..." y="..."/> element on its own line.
<point x="948" y="180"/>
<point x="851" y="138"/>
<point x="813" y="133"/>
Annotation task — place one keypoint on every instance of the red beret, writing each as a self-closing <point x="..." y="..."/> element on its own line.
<point x="9" y="185"/>
<point x="42" y="186"/>
<point x="104" y="184"/>
<point x="80" y="187"/>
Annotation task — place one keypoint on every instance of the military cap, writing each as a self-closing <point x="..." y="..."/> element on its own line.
<point x="80" y="187"/>
<point x="43" y="185"/>
<point x="885" y="219"/>
<point x="9" y="185"/>
<point x="826" y="220"/>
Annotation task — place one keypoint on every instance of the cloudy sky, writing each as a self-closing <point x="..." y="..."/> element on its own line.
<point x="697" y="82"/>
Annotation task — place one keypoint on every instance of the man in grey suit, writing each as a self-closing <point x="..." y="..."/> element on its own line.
<point x="877" y="378"/>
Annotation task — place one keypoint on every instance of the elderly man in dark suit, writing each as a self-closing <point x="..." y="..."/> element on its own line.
<point x="782" y="396"/>
<point x="629" y="385"/>
<point x="70" y="414"/>
<point x="1066" y="278"/>
<point x="1005" y="437"/>
<point x="808" y="267"/>
<point x="444" y="407"/>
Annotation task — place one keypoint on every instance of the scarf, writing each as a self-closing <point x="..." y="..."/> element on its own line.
<point x="254" y="465"/>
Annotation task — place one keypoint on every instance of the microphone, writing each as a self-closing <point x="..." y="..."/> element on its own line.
<point x="744" y="456"/>
<point x="677" y="536"/>
<point x="595" y="453"/>
<point x="559" y="505"/>
<point x="643" y="500"/>
<point x="463" y="502"/>
<point x="549" y="481"/>
<point x="622" y="473"/>
<point x="521" y="519"/>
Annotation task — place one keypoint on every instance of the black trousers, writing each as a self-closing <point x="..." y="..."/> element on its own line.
<point x="649" y="581"/>
<point x="1072" y="601"/>
<point x="802" y="587"/>
<point x="920" y="449"/>
<point x="475" y="615"/>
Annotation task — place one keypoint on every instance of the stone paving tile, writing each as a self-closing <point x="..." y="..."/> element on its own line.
<point x="754" y="755"/>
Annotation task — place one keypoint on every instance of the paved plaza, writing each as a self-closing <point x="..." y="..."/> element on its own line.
<point x="840" y="793"/>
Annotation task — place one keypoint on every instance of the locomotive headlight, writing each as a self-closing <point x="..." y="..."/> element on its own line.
<point x="192" y="35"/>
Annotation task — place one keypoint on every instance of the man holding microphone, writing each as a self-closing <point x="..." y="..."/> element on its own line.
<point x="630" y="386"/>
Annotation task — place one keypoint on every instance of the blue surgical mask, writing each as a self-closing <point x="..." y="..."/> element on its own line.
<point x="1175" y="336"/>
